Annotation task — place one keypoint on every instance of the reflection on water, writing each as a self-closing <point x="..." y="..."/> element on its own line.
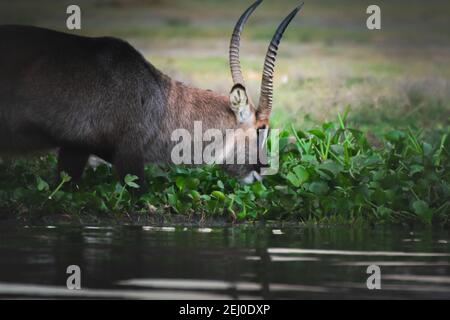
<point x="223" y="263"/>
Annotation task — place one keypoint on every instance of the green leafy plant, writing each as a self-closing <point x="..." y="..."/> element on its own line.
<point x="329" y="173"/>
<point x="129" y="181"/>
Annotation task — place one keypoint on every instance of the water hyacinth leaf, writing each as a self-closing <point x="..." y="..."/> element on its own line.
<point x="327" y="126"/>
<point x="384" y="213"/>
<point x="331" y="167"/>
<point x="318" y="133"/>
<point x="427" y="149"/>
<point x="319" y="188"/>
<point x="301" y="173"/>
<point x="360" y="139"/>
<point x="194" y="195"/>
<point x="218" y="195"/>
<point x="372" y="160"/>
<point x="309" y="159"/>
<point x="292" y="177"/>
<point x="192" y="183"/>
<point x="415" y="168"/>
<point x="181" y="170"/>
<point x="284" y="143"/>
<point x="422" y="209"/>
<point x="360" y="199"/>
<point x="180" y="182"/>
<point x="118" y="188"/>
<point x="133" y="185"/>
<point x="282" y="189"/>
<point x="157" y="172"/>
<point x="243" y="213"/>
<point x="172" y="199"/>
<point x="205" y="197"/>
<point x="259" y="189"/>
<point x="395" y="136"/>
<point x="379" y="196"/>
<point x="337" y="149"/>
<point x="129" y="181"/>
<point x="42" y="185"/>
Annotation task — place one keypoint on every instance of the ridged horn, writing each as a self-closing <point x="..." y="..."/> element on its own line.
<point x="235" y="64"/>
<point x="266" y="98"/>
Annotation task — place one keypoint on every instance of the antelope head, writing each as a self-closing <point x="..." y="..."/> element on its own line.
<point x="252" y="118"/>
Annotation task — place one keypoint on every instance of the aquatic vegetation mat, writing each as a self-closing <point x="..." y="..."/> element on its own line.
<point x="329" y="173"/>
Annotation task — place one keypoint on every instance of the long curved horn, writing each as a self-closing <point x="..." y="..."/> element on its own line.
<point x="235" y="64"/>
<point x="266" y="98"/>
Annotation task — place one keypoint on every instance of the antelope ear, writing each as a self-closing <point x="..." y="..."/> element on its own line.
<point x="239" y="103"/>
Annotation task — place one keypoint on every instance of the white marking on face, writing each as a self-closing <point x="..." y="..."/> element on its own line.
<point x="251" y="177"/>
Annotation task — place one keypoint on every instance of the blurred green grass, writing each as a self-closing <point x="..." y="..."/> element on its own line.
<point x="328" y="60"/>
<point x="321" y="20"/>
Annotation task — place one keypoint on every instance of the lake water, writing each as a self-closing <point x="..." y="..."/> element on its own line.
<point x="245" y="262"/>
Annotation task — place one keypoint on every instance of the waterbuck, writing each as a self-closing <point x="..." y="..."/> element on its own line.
<point x="99" y="96"/>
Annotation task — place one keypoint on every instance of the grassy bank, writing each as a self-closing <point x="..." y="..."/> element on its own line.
<point x="331" y="173"/>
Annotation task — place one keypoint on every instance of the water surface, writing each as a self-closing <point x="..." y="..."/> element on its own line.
<point x="245" y="262"/>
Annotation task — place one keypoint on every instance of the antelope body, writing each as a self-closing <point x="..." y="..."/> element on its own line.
<point x="99" y="96"/>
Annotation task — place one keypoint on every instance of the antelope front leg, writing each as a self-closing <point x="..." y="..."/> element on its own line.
<point x="72" y="161"/>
